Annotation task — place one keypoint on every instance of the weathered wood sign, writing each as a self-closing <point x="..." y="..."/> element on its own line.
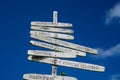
<point x="50" y="24"/>
<point x="72" y="64"/>
<point x="46" y="77"/>
<point x="54" y="35"/>
<point x="51" y="54"/>
<point x="51" y="29"/>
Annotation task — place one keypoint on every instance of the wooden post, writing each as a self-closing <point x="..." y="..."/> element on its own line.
<point x="54" y="67"/>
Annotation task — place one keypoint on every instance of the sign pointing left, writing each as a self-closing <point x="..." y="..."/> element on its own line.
<point x="51" y="54"/>
<point x="54" y="35"/>
<point x="51" y="29"/>
<point x="46" y="77"/>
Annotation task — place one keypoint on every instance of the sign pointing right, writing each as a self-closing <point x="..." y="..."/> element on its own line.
<point x="53" y="35"/>
<point x="51" y="29"/>
<point x="72" y="64"/>
<point x="51" y="24"/>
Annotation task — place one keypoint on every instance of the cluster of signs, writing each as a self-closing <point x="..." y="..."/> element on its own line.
<point x="51" y="35"/>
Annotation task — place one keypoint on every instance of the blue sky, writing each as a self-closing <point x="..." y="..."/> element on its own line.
<point x="96" y="24"/>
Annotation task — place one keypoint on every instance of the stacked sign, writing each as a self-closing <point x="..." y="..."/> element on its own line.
<point x="51" y="35"/>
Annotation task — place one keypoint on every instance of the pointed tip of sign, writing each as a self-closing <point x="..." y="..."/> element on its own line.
<point x="103" y="69"/>
<point x="71" y="37"/>
<point x="33" y="32"/>
<point x="29" y="52"/>
<point x="96" y="51"/>
<point x="29" y="57"/>
<point x="83" y="54"/>
<point x="32" y="42"/>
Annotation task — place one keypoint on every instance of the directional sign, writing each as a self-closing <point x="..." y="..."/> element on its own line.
<point x="51" y="29"/>
<point x="67" y="63"/>
<point x="57" y="48"/>
<point x="54" y="35"/>
<point x="51" y="24"/>
<point x="51" y="54"/>
<point x="65" y="44"/>
<point x="46" y="77"/>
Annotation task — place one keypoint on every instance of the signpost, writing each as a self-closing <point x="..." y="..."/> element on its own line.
<point x="49" y="34"/>
<point x="55" y="22"/>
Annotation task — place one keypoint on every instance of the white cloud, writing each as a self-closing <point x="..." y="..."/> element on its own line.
<point x="111" y="52"/>
<point x="113" y="14"/>
<point x="115" y="77"/>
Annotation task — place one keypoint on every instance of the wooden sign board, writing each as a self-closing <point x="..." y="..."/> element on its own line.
<point x="72" y="64"/>
<point x="50" y="54"/>
<point x="46" y="77"/>
<point x="57" y="48"/>
<point x="54" y="35"/>
<point x="51" y="29"/>
<point x="65" y="44"/>
<point x="50" y="24"/>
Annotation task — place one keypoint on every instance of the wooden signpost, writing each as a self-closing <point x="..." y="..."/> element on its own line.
<point x="49" y="35"/>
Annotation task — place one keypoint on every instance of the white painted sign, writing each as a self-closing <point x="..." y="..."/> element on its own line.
<point x="50" y="54"/>
<point x="46" y="77"/>
<point x="57" y="48"/>
<point x="65" y="44"/>
<point x="51" y="29"/>
<point x="50" y="24"/>
<point x="54" y="35"/>
<point x="72" y="64"/>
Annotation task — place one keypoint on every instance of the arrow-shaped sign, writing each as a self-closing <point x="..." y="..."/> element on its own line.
<point x="51" y="29"/>
<point x="51" y="24"/>
<point x="72" y="64"/>
<point x="46" y="77"/>
<point x="54" y="35"/>
<point x="65" y="44"/>
<point x="57" y="48"/>
<point x="50" y="54"/>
